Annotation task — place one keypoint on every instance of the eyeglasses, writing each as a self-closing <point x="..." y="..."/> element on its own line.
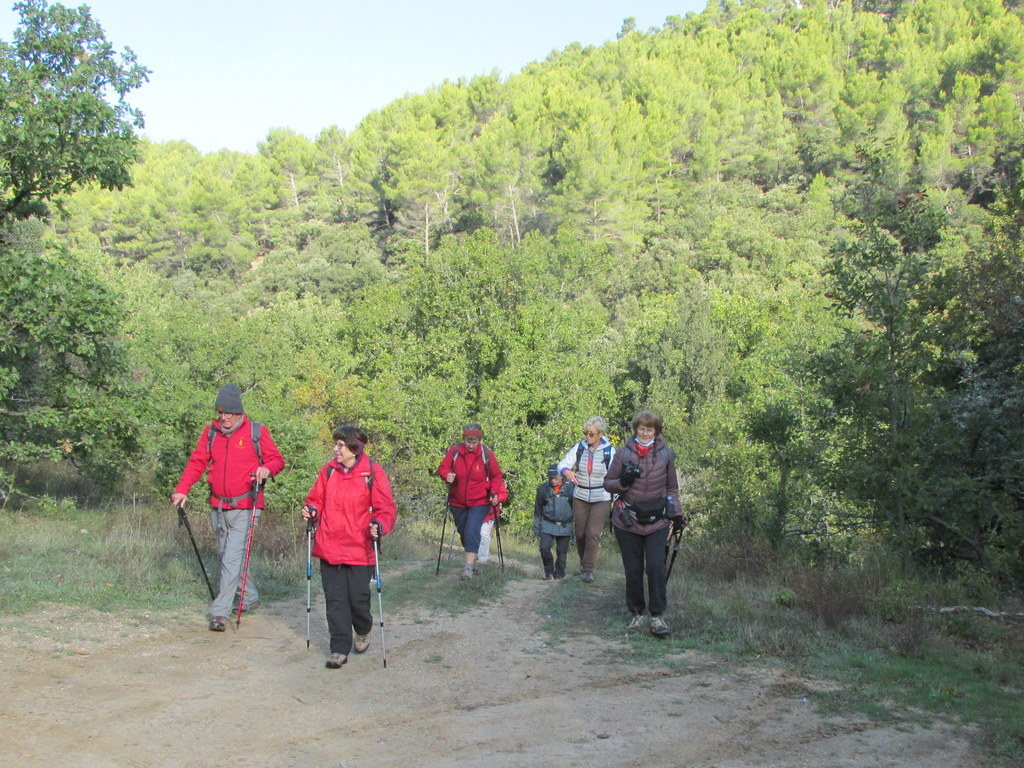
<point x="591" y="434"/>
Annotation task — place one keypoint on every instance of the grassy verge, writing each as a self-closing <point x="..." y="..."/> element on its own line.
<point x="112" y="558"/>
<point x="891" y="657"/>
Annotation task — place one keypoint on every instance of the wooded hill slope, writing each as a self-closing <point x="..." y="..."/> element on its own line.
<point x="790" y="229"/>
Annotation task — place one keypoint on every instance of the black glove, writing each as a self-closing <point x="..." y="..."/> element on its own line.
<point x="678" y="524"/>
<point x="630" y="472"/>
<point x="311" y="520"/>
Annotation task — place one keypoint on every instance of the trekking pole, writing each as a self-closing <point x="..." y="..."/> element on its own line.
<point x="248" y="548"/>
<point x="183" y="521"/>
<point x="497" y="533"/>
<point x="380" y="601"/>
<point x="440" y="549"/>
<point x="675" y="537"/>
<point x="310" y="527"/>
<point x="451" y="544"/>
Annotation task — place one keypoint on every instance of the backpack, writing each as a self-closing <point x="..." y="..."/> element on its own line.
<point x="579" y="455"/>
<point x="369" y="488"/>
<point x="257" y="431"/>
<point x="484" y="454"/>
<point x="369" y="479"/>
<point x="558" y="507"/>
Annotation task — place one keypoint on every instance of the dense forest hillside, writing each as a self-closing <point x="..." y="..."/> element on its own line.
<point x="791" y="229"/>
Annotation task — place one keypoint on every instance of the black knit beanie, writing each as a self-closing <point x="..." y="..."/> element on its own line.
<point x="229" y="399"/>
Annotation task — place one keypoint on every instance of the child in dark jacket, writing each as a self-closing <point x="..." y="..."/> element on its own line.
<point x="552" y="522"/>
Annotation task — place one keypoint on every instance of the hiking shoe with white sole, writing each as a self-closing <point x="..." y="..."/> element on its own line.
<point x="361" y="643"/>
<point x="638" y="624"/>
<point x="217" y="623"/>
<point x="336" y="660"/>
<point x="659" y="628"/>
<point x="467" y="573"/>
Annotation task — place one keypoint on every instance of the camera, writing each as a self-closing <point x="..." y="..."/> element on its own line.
<point x="630" y="472"/>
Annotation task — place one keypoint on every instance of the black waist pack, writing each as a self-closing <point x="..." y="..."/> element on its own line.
<point x="647" y="512"/>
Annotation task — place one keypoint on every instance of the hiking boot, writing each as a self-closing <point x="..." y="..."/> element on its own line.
<point x="587" y="578"/>
<point x="251" y="608"/>
<point x="547" y="577"/>
<point x="335" y="660"/>
<point x="217" y="623"/>
<point x="476" y="567"/>
<point x="638" y="624"/>
<point x="361" y="643"/>
<point x="659" y="628"/>
<point x="467" y="573"/>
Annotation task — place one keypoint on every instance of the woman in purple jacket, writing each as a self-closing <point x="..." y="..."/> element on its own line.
<point x="643" y="474"/>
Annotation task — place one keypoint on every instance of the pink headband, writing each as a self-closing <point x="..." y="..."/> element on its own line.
<point x="472" y="433"/>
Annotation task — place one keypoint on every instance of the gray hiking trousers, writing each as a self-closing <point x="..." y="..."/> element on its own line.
<point x="232" y="529"/>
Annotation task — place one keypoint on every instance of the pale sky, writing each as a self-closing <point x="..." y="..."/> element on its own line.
<point x="225" y="72"/>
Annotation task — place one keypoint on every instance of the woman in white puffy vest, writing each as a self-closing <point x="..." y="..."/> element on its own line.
<point x="585" y="466"/>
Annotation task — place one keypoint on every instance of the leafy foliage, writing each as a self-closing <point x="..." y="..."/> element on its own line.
<point x="58" y="126"/>
<point x="63" y="377"/>
<point x="792" y="231"/>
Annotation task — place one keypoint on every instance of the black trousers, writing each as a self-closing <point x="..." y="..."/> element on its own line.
<point x="552" y="566"/>
<point x="644" y="554"/>
<point x="347" y="595"/>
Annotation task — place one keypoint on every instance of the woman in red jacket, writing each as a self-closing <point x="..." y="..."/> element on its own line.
<point x="475" y="486"/>
<point x="352" y="505"/>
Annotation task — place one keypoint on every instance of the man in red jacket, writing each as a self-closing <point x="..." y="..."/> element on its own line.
<point x="235" y="451"/>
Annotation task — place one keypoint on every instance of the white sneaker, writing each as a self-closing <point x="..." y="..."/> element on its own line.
<point x="638" y="624"/>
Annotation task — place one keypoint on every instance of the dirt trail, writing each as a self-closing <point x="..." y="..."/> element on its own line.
<point x="485" y="688"/>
